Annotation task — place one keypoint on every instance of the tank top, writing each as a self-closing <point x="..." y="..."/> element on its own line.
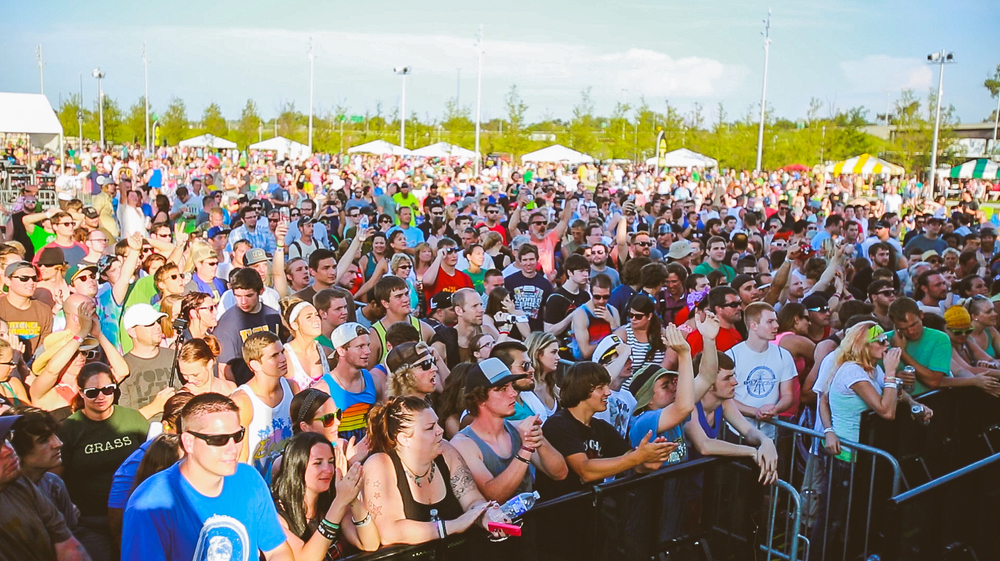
<point x="299" y="373"/>
<point x="640" y="351"/>
<point x="269" y="428"/>
<point x="597" y="328"/>
<point x="354" y="405"/>
<point x="370" y="267"/>
<point x="380" y="331"/>
<point x="493" y="462"/>
<point x="10" y="396"/>
<point x="448" y="508"/>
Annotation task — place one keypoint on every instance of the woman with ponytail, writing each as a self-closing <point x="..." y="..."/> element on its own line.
<point x="198" y="367"/>
<point x="413" y="471"/>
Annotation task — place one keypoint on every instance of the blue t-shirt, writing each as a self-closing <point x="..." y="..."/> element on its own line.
<point x="167" y="519"/>
<point x="647" y="421"/>
<point x="121" y="485"/>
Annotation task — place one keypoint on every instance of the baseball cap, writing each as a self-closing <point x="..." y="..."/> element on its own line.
<point x="140" y="314"/>
<point x="406" y="355"/>
<point x="254" y="256"/>
<point x="105" y="262"/>
<point x="928" y="254"/>
<point x="740" y="280"/>
<point x="305" y="220"/>
<point x="75" y="271"/>
<point x="607" y="349"/>
<point x="815" y="300"/>
<point x="644" y="381"/>
<point x="346" y="333"/>
<point x="52" y="256"/>
<point x="105" y="180"/>
<point x="882" y="224"/>
<point x="217" y="231"/>
<point x="64" y="197"/>
<point x="90" y="212"/>
<point x="203" y="251"/>
<point x="16" y="266"/>
<point x="441" y="301"/>
<point x="7" y="423"/>
<point x="490" y="373"/>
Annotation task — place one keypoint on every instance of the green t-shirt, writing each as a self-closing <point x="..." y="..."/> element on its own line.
<point x="143" y="291"/>
<point x="39" y="237"/>
<point x="705" y="269"/>
<point x="410" y="201"/>
<point x="477" y="279"/>
<point x="932" y="350"/>
<point x="324" y="340"/>
<point x="93" y="450"/>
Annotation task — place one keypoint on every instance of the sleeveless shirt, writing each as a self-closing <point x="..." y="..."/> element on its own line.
<point x="354" y="405"/>
<point x="380" y="331"/>
<point x="269" y="428"/>
<point x="448" y="508"/>
<point x="299" y="373"/>
<point x="493" y="462"/>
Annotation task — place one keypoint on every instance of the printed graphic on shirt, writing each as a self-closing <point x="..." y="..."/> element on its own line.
<point x="761" y="381"/>
<point x="26" y="329"/>
<point x="618" y="412"/>
<point x="272" y="439"/>
<point x="222" y="538"/>
<point x="245" y="333"/>
<point x="528" y="298"/>
<point x="592" y="448"/>
<point x="355" y="418"/>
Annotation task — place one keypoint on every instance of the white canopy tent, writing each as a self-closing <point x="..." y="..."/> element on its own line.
<point x="444" y="150"/>
<point x="31" y="114"/>
<point x="379" y="147"/>
<point x="557" y="153"/>
<point x="283" y="147"/>
<point x="684" y="158"/>
<point x="207" y="141"/>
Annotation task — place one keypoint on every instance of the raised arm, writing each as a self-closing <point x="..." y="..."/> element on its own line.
<point x="708" y="368"/>
<point x="431" y="274"/>
<point x="352" y="251"/>
<point x="278" y="266"/>
<point x="675" y="413"/>
<point x="129" y="266"/>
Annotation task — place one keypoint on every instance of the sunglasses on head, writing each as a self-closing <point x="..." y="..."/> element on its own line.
<point x="329" y="418"/>
<point x="218" y="440"/>
<point x="92" y="393"/>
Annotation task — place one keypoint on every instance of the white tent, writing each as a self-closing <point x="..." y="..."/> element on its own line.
<point x="379" y="147"/>
<point x="684" y="158"/>
<point x="445" y="150"/>
<point x="283" y="147"/>
<point x="29" y="114"/>
<point x="207" y="141"/>
<point x="557" y="154"/>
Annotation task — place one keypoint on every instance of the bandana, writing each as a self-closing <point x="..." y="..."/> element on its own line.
<point x="694" y="298"/>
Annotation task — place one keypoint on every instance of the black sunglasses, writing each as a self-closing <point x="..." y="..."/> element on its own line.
<point x="731" y="305"/>
<point x="218" y="440"/>
<point x="25" y="278"/>
<point x="636" y="315"/>
<point x="820" y="310"/>
<point x="329" y="418"/>
<point x="92" y="393"/>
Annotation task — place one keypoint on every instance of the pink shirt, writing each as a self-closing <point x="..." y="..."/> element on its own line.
<point x="547" y="251"/>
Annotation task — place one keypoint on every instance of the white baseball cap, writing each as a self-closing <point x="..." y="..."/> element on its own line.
<point x="141" y="314"/>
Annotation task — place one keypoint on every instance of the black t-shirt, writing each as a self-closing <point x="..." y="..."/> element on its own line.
<point x="569" y="436"/>
<point x="561" y="303"/>
<point x="234" y="327"/>
<point x="529" y="296"/>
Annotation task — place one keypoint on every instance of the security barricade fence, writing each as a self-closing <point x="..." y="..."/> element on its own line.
<point x="702" y="509"/>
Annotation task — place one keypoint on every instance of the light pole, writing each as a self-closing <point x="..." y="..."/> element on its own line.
<point x="79" y="118"/>
<point x="402" y="71"/>
<point x="41" y="67"/>
<point x="996" y="121"/>
<point x="100" y="100"/>
<point x="311" y="58"/>
<point x="940" y="59"/>
<point x="763" y="90"/>
<point x="479" y="96"/>
<point x="145" y="95"/>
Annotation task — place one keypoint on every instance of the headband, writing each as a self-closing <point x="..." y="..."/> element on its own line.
<point x="874" y="332"/>
<point x="306" y="404"/>
<point x="296" y="310"/>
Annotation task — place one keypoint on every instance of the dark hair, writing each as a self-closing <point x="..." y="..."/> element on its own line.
<point x="190" y="302"/>
<point x="643" y="303"/>
<point x="632" y="271"/>
<point x="312" y="399"/>
<point x="653" y="275"/>
<point x="717" y="296"/>
<point x="383" y="291"/>
<point x="88" y="371"/>
<point x="387" y="420"/>
<point x="163" y="452"/>
<point x="173" y="406"/>
<point x="505" y="351"/>
<point x="677" y="269"/>
<point x="576" y="262"/>
<point x="579" y="381"/>
<point x="401" y="332"/>
<point x="788" y="314"/>
<point x="452" y="399"/>
<point x="853" y="308"/>
<point x="964" y="286"/>
<point x="692" y="281"/>
<point x="494" y="302"/>
<point x="35" y="425"/>
<point x="901" y="307"/>
<point x="319" y="255"/>
<point x="601" y="281"/>
<point x="289" y="490"/>
<point x="246" y="278"/>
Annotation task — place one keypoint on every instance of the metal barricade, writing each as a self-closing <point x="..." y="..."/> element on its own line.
<point x="842" y="502"/>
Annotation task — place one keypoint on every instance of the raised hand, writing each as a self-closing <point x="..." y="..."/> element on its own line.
<point x="709" y="328"/>
<point x="675" y="340"/>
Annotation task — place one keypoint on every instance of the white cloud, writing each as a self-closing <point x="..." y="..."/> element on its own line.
<point x="882" y="73"/>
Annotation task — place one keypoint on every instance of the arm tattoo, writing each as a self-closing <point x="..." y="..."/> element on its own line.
<point x="374" y="510"/>
<point x="462" y="481"/>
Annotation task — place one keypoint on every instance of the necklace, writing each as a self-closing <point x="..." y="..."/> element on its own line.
<point x="428" y="475"/>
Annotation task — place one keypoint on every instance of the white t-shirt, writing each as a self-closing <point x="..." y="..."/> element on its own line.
<point x="760" y="375"/>
<point x="621" y="403"/>
<point x="846" y="406"/>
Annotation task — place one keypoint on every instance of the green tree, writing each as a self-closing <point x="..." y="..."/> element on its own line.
<point x="69" y="111"/>
<point x="290" y="123"/>
<point x="581" y="129"/>
<point x="992" y="83"/>
<point x="248" y="129"/>
<point x="458" y="125"/>
<point x="515" y="137"/>
<point x="175" y="126"/>
<point x="135" y="121"/>
<point x="114" y="128"/>
<point x="212" y="121"/>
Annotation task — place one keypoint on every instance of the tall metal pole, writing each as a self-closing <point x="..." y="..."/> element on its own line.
<point x="79" y="118"/>
<point x="996" y="121"/>
<point x="100" y="100"/>
<point x="479" y="95"/>
<point x="311" y="58"/>
<point x="41" y="67"/>
<point x="145" y="95"/>
<point x="402" y="115"/>
<point x="940" y="58"/>
<point x="763" y="90"/>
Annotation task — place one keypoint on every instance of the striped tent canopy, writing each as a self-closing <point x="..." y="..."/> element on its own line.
<point x="865" y="164"/>
<point x="979" y="169"/>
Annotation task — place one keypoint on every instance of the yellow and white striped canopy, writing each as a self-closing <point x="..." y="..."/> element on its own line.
<point x="865" y="164"/>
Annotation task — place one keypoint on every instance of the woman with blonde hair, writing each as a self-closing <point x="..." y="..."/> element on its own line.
<point x="198" y="367"/>
<point x="401" y="265"/>
<point x="307" y="358"/>
<point x="984" y="325"/>
<point x="543" y="352"/>
<point x="418" y="483"/>
<point x="170" y="305"/>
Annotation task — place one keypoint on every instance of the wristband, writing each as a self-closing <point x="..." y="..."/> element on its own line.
<point x="78" y="339"/>
<point x="528" y="450"/>
<point x="521" y="458"/>
<point x="827" y="430"/>
<point x="328" y="530"/>
<point x="891" y="385"/>
<point x="442" y="531"/>
<point x="364" y="521"/>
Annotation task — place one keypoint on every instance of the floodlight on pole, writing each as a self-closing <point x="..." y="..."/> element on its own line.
<point x="479" y="96"/>
<point x="940" y="58"/>
<point x="100" y="99"/>
<point x="402" y="71"/>
<point x="763" y="91"/>
<point x="41" y="67"/>
<point x="145" y="95"/>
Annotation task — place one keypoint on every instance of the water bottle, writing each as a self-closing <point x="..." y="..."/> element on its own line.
<point x="518" y="505"/>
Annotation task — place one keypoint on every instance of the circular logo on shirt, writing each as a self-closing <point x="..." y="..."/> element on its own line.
<point x="761" y="381"/>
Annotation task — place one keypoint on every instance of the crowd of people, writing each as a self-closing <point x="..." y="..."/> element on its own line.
<point x="211" y="355"/>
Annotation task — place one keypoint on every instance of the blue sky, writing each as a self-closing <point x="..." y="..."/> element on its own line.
<point x="845" y="53"/>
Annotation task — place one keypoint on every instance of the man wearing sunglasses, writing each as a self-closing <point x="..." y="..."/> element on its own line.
<point x="882" y="294"/>
<point x="443" y="274"/>
<point x="594" y="320"/>
<point x="30" y="521"/>
<point x="218" y="505"/>
<point x="27" y="318"/>
<point x="205" y="278"/>
<point x="543" y="238"/>
<point x="493" y="222"/>
<point x="150" y="381"/>
<point x="64" y="226"/>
